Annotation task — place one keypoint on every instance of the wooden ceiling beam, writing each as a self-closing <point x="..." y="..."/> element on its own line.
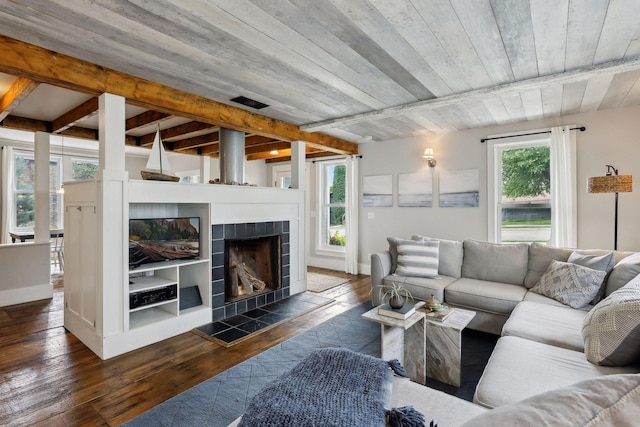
<point x="145" y="119"/>
<point x="17" y="93"/>
<point x="195" y="142"/>
<point x="183" y="131"/>
<point x="42" y="65"/>
<point x="83" y="111"/>
<point x="314" y="155"/>
<point x="267" y="148"/>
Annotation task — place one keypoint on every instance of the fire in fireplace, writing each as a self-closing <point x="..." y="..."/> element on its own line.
<point x="252" y="266"/>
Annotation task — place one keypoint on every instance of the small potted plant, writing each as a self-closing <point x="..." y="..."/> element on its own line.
<point x="396" y="292"/>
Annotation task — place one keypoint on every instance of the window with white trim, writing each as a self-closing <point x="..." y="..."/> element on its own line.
<point x="519" y="190"/>
<point x="332" y="206"/>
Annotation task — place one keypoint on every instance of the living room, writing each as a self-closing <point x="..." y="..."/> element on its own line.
<point x="609" y="139"/>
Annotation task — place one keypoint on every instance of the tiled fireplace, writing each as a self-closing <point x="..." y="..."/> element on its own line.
<point x="263" y="247"/>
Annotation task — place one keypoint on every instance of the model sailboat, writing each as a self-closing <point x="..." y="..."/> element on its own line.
<point x="158" y="167"/>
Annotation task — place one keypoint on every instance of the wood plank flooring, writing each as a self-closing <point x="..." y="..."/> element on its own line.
<point x="49" y="378"/>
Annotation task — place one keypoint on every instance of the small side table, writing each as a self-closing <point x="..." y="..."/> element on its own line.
<point x="403" y="340"/>
<point x="444" y="346"/>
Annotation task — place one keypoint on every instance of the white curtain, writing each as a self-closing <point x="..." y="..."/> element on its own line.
<point x="7" y="201"/>
<point x="351" y="226"/>
<point x="564" y="231"/>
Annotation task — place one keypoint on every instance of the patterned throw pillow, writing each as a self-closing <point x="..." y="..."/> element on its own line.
<point x="571" y="284"/>
<point x="418" y="259"/>
<point x="611" y="330"/>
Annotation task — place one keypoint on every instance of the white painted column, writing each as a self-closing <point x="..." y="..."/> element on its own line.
<point x="298" y="181"/>
<point x="113" y="217"/>
<point x="298" y="161"/>
<point x="205" y="169"/>
<point x="41" y="190"/>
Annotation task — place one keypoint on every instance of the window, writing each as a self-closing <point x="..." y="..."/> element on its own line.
<point x="83" y="169"/>
<point x="23" y="215"/>
<point x="520" y="179"/>
<point x="332" y="206"/>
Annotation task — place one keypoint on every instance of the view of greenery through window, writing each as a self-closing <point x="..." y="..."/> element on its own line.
<point x="526" y="186"/>
<point x="24" y="186"/>
<point x="337" y="210"/>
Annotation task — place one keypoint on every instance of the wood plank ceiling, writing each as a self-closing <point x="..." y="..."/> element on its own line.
<point x="355" y="70"/>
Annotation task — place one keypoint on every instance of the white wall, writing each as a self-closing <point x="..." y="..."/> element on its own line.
<point x="612" y="137"/>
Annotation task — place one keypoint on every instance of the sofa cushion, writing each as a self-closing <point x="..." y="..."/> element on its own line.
<point x="534" y="297"/>
<point x="623" y="272"/>
<point x="417" y="259"/>
<point x="558" y="326"/>
<point x="612" y="400"/>
<point x="422" y="288"/>
<point x="451" y="254"/>
<point x="520" y="368"/>
<point x="611" y="330"/>
<point x="540" y="257"/>
<point x="569" y="283"/>
<point x="492" y="297"/>
<point x="495" y="262"/>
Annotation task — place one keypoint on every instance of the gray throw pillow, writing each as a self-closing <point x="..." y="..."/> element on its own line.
<point x="623" y="272"/>
<point x="571" y="284"/>
<point x="611" y="330"/>
<point x="417" y="259"/>
<point x="597" y="262"/>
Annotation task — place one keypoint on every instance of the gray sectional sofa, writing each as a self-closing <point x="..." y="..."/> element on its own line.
<point x="548" y="348"/>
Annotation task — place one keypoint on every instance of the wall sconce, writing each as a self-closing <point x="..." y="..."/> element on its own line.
<point x="428" y="154"/>
<point x="274" y="152"/>
<point x="611" y="183"/>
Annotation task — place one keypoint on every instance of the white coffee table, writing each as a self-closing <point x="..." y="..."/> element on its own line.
<point x="403" y="340"/>
<point x="444" y="346"/>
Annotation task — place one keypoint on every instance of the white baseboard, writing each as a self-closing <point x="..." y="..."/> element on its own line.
<point x="22" y="295"/>
<point x="336" y="264"/>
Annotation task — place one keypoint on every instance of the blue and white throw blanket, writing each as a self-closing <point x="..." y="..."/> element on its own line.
<point x="332" y="387"/>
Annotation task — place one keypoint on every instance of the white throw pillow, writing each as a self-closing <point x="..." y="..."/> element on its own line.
<point x="418" y="259"/>
<point x="571" y="284"/>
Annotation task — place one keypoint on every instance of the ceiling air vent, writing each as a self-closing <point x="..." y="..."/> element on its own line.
<point x="249" y="102"/>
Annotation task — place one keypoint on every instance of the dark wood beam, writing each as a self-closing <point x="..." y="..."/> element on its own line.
<point x="314" y="155"/>
<point x="186" y="130"/>
<point x="195" y="142"/>
<point x="145" y="119"/>
<point x="267" y="148"/>
<point x="83" y="111"/>
<point x="42" y="65"/>
<point x="18" y="92"/>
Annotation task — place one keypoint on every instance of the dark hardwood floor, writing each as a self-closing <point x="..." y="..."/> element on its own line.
<point x="49" y="378"/>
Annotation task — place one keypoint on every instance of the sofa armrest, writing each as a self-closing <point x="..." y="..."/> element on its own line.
<point x="380" y="268"/>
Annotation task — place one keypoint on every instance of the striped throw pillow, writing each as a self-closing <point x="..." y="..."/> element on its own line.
<point x="418" y="259"/>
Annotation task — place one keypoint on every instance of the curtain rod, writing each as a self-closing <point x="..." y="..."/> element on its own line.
<point x="358" y="156"/>
<point x="581" y="129"/>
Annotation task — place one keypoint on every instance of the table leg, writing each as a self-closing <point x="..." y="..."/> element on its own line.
<point x="415" y="362"/>
<point x="444" y="354"/>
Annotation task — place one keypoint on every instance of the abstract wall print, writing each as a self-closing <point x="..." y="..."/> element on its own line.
<point x="415" y="190"/>
<point x="377" y="191"/>
<point x="460" y="189"/>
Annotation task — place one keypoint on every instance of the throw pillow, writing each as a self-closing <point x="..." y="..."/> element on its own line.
<point x="451" y="254"/>
<point x="602" y="263"/>
<point x="611" y="330"/>
<point x="624" y="271"/>
<point x="571" y="284"/>
<point x="608" y="400"/>
<point x="418" y="259"/>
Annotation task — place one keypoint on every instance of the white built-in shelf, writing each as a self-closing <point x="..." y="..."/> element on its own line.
<point x="148" y="282"/>
<point x="167" y="264"/>
<point x="149" y="316"/>
<point x="157" y="304"/>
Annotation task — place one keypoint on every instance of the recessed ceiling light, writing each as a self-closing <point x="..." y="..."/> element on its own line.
<point x="248" y="102"/>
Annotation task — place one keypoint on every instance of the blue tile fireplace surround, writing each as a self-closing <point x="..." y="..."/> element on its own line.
<point x="222" y="235"/>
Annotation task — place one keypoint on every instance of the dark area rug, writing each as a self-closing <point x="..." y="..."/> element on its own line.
<point x="221" y="399"/>
<point x="231" y="331"/>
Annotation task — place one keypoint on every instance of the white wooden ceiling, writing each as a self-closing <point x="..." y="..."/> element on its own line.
<point x="354" y="68"/>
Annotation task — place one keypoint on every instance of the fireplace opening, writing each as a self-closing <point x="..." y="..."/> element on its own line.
<point x="252" y="267"/>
